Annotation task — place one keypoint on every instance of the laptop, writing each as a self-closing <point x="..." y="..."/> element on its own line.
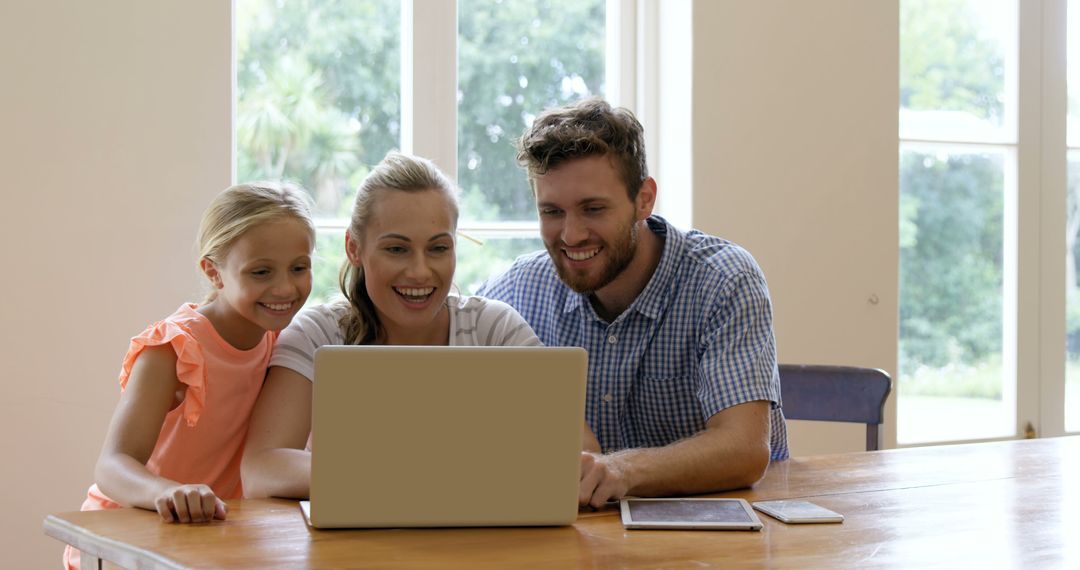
<point x="446" y="436"/>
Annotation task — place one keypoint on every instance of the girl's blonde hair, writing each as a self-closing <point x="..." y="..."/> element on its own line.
<point x="397" y="172"/>
<point x="239" y="208"/>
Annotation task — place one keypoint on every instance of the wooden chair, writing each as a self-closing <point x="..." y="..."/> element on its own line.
<point x="836" y="394"/>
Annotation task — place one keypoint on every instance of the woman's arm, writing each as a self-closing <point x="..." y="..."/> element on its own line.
<point x="121" y="471"/>
<point x="275" y="462"/>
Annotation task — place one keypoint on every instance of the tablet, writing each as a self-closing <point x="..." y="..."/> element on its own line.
<point x="701" y="514"/>
<point x="794" y="512"/>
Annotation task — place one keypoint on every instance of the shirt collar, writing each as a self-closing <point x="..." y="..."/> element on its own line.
<point x="652" y="300"/>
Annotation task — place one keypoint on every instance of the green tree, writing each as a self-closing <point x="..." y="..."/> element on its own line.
<point x="317" y="91"/>
<point x="951" y="272"/>
<point x="946" y="60"/>
<point x="517" y="58"/>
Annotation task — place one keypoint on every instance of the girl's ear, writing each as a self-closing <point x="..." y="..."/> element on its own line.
<point x="211" y="272"/>
<point x="352" y="250"/>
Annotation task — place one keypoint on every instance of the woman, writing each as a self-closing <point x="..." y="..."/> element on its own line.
<point x="396" y="281"/>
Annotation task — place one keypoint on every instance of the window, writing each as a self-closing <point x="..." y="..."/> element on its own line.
<point x="1072" y="225"/>
<point x="958" y="187"/>
<point x="320" y="100"/>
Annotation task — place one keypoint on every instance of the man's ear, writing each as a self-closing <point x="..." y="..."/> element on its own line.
<point x="211" y="272"/>
<point x="646" y="199"/>
<point x="352" y="250"/>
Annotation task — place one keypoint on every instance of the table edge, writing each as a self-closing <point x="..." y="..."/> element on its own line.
<point x="105" y="548"/>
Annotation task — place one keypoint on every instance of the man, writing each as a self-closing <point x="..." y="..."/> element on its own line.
<point x="683" y="394"/>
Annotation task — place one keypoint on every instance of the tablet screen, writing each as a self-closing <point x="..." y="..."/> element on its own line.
<point x="689" y="513"/>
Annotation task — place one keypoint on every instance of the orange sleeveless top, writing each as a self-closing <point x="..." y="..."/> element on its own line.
<point x="202" y="439"/>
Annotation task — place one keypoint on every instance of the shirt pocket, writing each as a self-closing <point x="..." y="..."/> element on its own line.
<point x="665" y="409"/>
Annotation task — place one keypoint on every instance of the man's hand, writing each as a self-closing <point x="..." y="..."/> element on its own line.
<point x="603" y="479"/>
<point x="732" y="452"/>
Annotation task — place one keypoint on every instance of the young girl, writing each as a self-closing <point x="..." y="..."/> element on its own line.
<point x="188" y="383"/>
<point x="396" y="281"/>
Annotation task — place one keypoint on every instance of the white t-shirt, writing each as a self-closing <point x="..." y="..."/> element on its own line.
<point x="474" y="321"/>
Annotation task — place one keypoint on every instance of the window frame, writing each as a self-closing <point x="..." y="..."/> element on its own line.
<point x="1034" y="280"/>
<point x="1043" y="194"/>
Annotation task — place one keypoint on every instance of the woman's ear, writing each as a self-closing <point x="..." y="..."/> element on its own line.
<point x="352" y="250"/>
<point x="211" y="272"/>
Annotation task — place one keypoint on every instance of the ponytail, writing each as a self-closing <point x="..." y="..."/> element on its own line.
<point x="360" y="325"/>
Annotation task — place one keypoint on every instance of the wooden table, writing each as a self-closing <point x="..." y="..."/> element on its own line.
<point x="1003" y="504"/>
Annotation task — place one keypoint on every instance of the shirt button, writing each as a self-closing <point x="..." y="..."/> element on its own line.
<point x="612" y="339"/>
<point x="608" y="398"/>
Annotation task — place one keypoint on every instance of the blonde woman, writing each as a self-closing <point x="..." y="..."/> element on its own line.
<point x="400" y="246"/>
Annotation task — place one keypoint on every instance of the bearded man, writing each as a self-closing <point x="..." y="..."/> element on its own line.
<point x="683" y="393"/>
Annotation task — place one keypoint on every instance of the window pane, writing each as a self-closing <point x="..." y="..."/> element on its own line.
<point x="475" y="263"/>
<point x="952" y="384"/>
<point x="318" y="90"/>
<point x="1072" y="364"/>
<point x="1072" y="226"/>
<point x="329" y="256"/>
<point x="958" y="70"/>
<point x="516" y="58"/>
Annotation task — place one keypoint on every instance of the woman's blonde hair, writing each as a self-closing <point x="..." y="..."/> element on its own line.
<point x="397" y="172"/>
<point x="239" y="208"/>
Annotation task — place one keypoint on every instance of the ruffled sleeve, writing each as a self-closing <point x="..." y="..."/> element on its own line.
<point x="190" y="364"/>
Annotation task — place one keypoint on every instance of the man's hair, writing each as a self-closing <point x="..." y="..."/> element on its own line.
<point x="590" y="127"/>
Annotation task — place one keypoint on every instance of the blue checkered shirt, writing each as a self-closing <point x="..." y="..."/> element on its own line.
<point x="697" y="340"/>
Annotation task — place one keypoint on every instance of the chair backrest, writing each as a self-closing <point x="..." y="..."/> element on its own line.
<point x="836" y="394"/>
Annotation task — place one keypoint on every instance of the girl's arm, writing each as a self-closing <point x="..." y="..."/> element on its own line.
<point x="121" y="471"/>
<point x="276" y="463"/>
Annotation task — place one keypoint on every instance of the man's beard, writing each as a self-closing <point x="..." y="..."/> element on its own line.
<point x="619" y="255"/>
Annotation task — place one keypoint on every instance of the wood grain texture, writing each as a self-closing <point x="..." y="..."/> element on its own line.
<point x="1011" y="504"/>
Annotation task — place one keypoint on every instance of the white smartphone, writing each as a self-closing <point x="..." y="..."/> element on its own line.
<point x="797" y="512"/>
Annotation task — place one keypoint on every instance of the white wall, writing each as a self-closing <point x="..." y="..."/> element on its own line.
<point x="795" y="158"/>
<point x="115" y="135"/>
